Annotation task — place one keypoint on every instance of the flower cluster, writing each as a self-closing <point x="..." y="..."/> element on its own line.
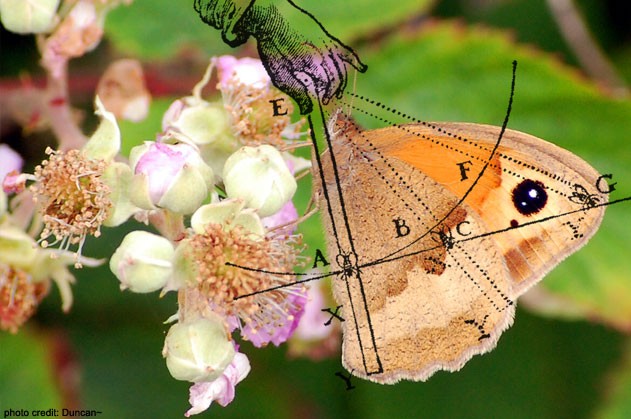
<point x="232" y="267"/>
<point x="216" y="185"/>
<point x="221" y="201"/>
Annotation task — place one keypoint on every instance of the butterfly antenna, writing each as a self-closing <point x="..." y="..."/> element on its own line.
<point x="350" y="103"/>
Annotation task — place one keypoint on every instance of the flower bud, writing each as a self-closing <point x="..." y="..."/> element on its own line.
<point x="204" y="123"/>
<point x="143" y="262"/>
<point x="169" y="176"/>
<point x="80" y="31"/>
<point x="198" y="350"/>
<point x="21" y="16"/>
<point x="207" y="125"/>
<point x="229" y="213"/>
<point x="260" y="177"/>
<point x="14" y="182"/>
<point x="122" y="90"/>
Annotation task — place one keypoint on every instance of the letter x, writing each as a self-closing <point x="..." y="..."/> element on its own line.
<point x="333" y="314"/>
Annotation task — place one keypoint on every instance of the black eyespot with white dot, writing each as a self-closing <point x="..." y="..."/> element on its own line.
<point x="529" y="197"/>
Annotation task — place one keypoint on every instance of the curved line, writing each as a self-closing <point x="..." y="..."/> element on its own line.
<point x="480" y="174"/>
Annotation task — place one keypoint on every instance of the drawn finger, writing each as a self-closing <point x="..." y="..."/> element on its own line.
<point x="206" y="8"/>
<point x="335" y="75"/>
<point x="222" y="10"/>
<point x="340" y="65"/>
<point x="350" y="57"/>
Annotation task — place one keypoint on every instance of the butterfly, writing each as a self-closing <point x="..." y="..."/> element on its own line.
<point x="437" y="229"/>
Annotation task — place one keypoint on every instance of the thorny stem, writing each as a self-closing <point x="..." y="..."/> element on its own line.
<point x="588" y="53"/>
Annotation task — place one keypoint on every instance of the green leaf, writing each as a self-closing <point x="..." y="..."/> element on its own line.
<point x="27" y="372"/>
<point x="451" y="73"/>
<point x="540" y="369"/>
<point x="348" y="20"/>
<point x="617" y="403"/>
<point x="161" y="29"/>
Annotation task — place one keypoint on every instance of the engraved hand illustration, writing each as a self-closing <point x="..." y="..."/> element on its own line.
<point x="305" y="67"/>
<point x="224" y="15"/>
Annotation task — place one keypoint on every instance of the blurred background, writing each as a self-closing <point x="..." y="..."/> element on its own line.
<point x="568" y="355"/>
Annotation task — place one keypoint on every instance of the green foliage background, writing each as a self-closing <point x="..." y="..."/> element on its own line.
<point x="436" y="61"/>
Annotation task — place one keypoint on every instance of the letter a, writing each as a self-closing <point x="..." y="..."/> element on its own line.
<point x="319" y="257"/>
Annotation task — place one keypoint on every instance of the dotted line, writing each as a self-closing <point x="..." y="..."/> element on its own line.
<point x="511" y="159"/>
<point x="396" y="174"/>
<point x="419" y="200"/>
<point x="507" y="300"/>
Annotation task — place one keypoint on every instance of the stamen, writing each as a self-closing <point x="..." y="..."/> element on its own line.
<point x="252" y="123"/>
<point x="221" y="283"/>
<point x="73" y="199"/>
<point x="19" y="297"/>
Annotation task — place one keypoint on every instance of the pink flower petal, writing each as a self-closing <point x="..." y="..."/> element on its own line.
<point x="311" y="326"/>
<point x="248" y="71"/>
<point x="9" y="161"/>
<point x="221" y="390"/>
<point x="281" y="329"/>
<point x="287" y="214"/>
<point x="172" y="114"/>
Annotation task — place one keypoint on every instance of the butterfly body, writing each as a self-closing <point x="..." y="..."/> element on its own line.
<point x="443" y="228"/>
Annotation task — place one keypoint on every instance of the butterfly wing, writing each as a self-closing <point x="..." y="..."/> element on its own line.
<point x="441" y="253"/>
<point x="536" y="232"/>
